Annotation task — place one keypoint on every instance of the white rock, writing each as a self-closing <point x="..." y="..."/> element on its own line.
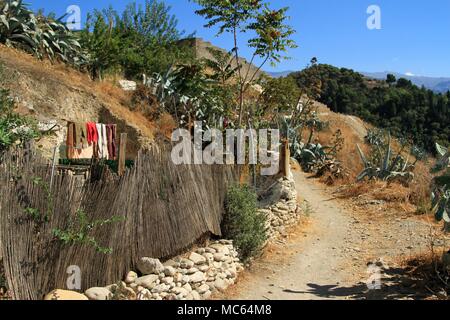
<point x="220" y="285"/>
<point x="147" y="281"/>
<point x="127" y="85"/>
<point x="190" y="297"/>
<point x="204" y="268"/>
<point x="98" y="294"/>
<point x="210" y="250"/>
<point x="150" y="266"/>
<point x="185" y="279"/>
<point x="169" y="271"/>
<point x="178" y="277"/>
<point x="197" y="259"/>
<point x="209" y="256"/>
<point x="186" y="264"/>
<point x="144" y="295"/>
<point x="197" y="277"/>
<point x="155" y="296"/>
<point x="65" y="295"/>
<point x="171" y="263"/>
<point x="167" y="280"/>
<point x="203" y="289"/>
<point x="218" y="247"/>
<point x="195" y="295"/>
<point x="219" y="257"/>
<point x="201" y="250"/>
<point x="161" y="289"/>
<point x="131" y="277"/>
<point x="187" y="287"/>
<point x="180" y="291"/>
<point x="191" y="271"/>
<point x="207" y="295"/>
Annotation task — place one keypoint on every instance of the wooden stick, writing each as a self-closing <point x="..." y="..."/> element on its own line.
<point x="287" y="158"/>
<point x="69" y="143"/>
<point x="53" y="167"/>
<point x="122" y="153"/>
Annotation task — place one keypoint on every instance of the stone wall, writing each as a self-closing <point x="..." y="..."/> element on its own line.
<point x="202" y="272"/>
<point x="282" y="211"/>
<point x="193" y="276"/>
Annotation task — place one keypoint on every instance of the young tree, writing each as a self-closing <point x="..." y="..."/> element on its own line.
<point x="144" y="39"/>
<point x="391" y="79"/>
<point x="101" y="42"/>
<point x="272" y="37"/>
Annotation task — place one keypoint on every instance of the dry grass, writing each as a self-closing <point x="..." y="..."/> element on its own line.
<point x="166" y="125"/>
<point x="412" y="198"/>
<point x="428" y="272"/>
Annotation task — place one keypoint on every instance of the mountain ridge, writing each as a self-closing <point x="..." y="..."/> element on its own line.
<point x="437" y="84"/>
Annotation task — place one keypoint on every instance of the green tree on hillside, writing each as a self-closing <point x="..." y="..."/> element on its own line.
<point x="391" y="79"/>
<point x="143" y="40"/>
<point x="406" y="110"/>
<point x="271" y="35"/>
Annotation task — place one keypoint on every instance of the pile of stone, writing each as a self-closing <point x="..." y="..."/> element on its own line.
<point x="195" y="276"/>
<point x="284" y="212"/>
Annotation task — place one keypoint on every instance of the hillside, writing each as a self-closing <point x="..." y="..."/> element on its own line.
<point x="54" y="94"/>
<point x="437" y="84"/>
<point x="410" y="112"/>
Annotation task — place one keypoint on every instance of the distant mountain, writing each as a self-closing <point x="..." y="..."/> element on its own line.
<point x="279" y="74"/>
<point x="441" y="85"/>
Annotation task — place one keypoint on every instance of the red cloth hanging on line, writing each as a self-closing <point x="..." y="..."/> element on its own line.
<point x="92" y="133"/>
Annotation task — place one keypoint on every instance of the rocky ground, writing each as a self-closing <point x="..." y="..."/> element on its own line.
<point x="348" y="250"/>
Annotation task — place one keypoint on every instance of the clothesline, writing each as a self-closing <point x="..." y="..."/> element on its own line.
<point x="91" y="140"/>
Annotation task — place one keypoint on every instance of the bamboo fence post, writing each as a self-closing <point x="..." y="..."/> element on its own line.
<point x="122" y="153"/>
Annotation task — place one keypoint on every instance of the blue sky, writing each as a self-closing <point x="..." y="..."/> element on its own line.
<point x="414" y="36"/>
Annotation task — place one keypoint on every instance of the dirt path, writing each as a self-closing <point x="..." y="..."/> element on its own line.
<point x="330" y="259"/>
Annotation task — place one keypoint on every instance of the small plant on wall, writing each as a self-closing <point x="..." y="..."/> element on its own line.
<point x="80" y="229"/>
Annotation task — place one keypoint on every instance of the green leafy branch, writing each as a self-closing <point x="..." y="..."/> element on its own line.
<point x="35" y="213"/>
<point x="80" y="228"/>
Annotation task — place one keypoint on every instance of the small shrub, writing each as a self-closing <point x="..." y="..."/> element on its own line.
<point x="79" y="231"/>
<point x="14" y="128"/>
<point x="242" y="222"/>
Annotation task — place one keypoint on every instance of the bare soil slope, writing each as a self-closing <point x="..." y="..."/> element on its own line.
<point x="56" y="93"/>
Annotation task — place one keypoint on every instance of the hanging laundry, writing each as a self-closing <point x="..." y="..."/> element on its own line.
<point x="104" y="145"/>
<point x="84" y="153"/>
<point x="88" y="140"/>
<point x="112" y="147"/>
<point x="100" y="141"/>
<point x="92" y="133"/>
<point x="70" y="142"/>
<point x="80" y="135"/>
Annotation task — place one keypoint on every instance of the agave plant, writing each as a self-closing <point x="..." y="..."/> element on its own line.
<point x="290" y="131"/>
<point x="375" y="137"/>
<point x="186" y="93"/>
<point x="385" y="166"/>
<point x="40" y="35"/>
<point x="18" y="25"/>
<point x="444" y="158"/>
<point x="58" y="42"/>
<point x="441" y="193"/>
